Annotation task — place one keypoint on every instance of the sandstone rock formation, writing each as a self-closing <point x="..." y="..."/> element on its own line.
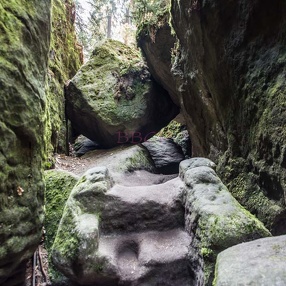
<point x="259" y="262"/>
<point x="213" y="218"/>
<point x="113" y="96"/>
<point x="58" y="187"/>
<point x="64" y="61"/>
<point x="169" y="233"/>
<point x="228" y="65"/>
<point x="25" y="39"/>
<point x="165" y="153"/>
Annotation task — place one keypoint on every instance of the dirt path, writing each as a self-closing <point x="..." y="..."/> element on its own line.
<point x="79" y="166"/>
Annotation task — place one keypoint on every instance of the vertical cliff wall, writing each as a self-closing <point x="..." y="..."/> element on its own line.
<point x="25" y="39"/>
<point x="65" y="58"/>
<point x="228" y="65"/>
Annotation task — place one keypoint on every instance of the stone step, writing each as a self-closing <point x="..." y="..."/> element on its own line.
<point x="148" y="258"/>
<point x="156" y="207"/>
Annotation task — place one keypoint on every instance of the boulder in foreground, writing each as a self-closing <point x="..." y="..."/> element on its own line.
<point x="259" y="262"/>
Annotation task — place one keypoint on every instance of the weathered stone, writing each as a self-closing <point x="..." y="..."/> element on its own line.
<point x="165" y="153"/>
<point x="259" y="262"/>
<point x="193" y="163"/>
<point x="25" y="39"/>
<point x="113" y="96"/>
<point x="231" y="65"/>
<point x="195" y="220"/>
<point x="140" y="242"/>
<point x="226" y="70"/>
<point x="214" y="219"/>
<point x="65" y="58"/>
<point x="83" y="145"/>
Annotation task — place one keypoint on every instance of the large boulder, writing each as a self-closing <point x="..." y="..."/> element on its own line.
<point x="113" y="99"/>
<point x="161" y="234"/>
<point x="58" y="187"/>
<point x="214" y="219"/>
<point x="259" y="262"/>
<point x="25" y="39"/>
<point x="65" y="58"/>
<point x="112" y="234"/>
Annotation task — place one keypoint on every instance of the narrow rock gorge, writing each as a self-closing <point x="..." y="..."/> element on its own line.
<point x="88" y="173"/>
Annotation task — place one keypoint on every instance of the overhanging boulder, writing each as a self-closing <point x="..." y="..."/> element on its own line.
<point x="113" y="99"/>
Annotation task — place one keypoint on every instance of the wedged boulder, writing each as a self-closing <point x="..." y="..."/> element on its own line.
<point x="214" y="219"/>
<point x="114" y="100"/>
<point x="113" y="234"/>
<point x="83" y="145"/>
<point x="158" y="48"/>
<point x="259" y="262"/>
<point x="165" y="153"/>
<point x="25" y="40"/>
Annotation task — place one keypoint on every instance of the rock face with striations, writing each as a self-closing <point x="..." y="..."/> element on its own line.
<point x="64" y="61"/>
<point x="24" y="37"/>
<point x="165" y="153"/>
<point x="228" y="65"/>
<point x="113" y="96"/>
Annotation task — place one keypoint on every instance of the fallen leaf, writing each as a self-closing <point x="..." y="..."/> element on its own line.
<point x="20" y="191"/>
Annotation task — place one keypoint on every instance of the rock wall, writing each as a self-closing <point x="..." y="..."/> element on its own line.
<point x="228" y="65"/>
<point x="65" y="58"/>
<point x="25" y="39"/>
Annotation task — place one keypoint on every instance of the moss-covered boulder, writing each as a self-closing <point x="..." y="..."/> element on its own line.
<point x="58" y="187"/>
<point x="113" y="99"/>
<point x="232" y="60"/>
<point x="77" y="239"/>
<point x="25" y="39"/>
<point x="214" y="219"/>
